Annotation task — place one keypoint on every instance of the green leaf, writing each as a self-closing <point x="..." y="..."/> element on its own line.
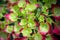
<point x="4" y="10"/>
<point x="57" y="11"/>
<point x="12" y="1"/>
<point x="41" y="18"/>
<point x="2" y="2"/>
<point x="57" y="23"/>
<point x="1" y="15"/>
<point x="2" y="25"/>
<point x="46" y="13"/>
<point x="45" y="0"/>
<point x="26" y="32"/>
<point x="48" y="37"/>
<point x="53" y="1"/>
<point x="48" y="3"/>
<point x="3" y="35"/>
<point x="37" y="12"/>
<point x="33" y="1"/>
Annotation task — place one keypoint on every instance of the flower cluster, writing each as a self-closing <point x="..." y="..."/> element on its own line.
<point x="29" y="20"/>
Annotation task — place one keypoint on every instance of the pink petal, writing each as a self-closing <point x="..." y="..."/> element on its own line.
<point x="23" y="38"/>
<point x="21" y="9"/>
<point x="57" y="18"/>
<point x="56" y="31"/>
<point x="1" y="38"/>
<point x="7" y="16"/>
<point x="27" y="1"/>
<point x="37" y="5"/>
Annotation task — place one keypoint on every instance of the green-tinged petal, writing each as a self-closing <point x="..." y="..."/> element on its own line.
<point x="21" y="3"/>
<point x="26" y="32"/>
<point x="30" y="7"/>
<point x="31" y="38"/>
<point x="46" y="13"/>
<point x="44" y="27"/>
<point x="9" y="29"/>
<point x="37" y="36"/>
<point x="16" y="9"/>
<point x="23" y="12"/>
<point x="44" y="8"/>
<point x="17" y="28"/>
<point x="23" y="22"/>
<point x="31" y="16"/>
<point x="41" y="18"/>
<point x="31" y="24"/>
<point x="13" y="17"/>
<point x="49" y="20"/>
